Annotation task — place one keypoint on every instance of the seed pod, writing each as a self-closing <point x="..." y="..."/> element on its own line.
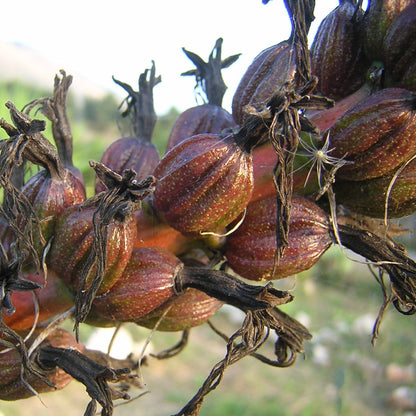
<point x="399" y="49"/>
<point x="50" y="195"/>
<point x="11" y="386"/>
<point x="369" y="197"/>
<point x="324" y="119"/>
<point x="337" y="57"/>
<point x="250" y="250"/>
<point x="94" y="241"/>
<point x="73" y="242"/>
<point x="205" y="118"/>
<point x="147" y="282"/>
<point x="270" y="69"/>
<point x="204" y="183"/>
<point x="152" y="232"/>
<point x="154" y="278"/>
<point x="52" y="299"/>
<point x="376" y="23"/>
<point x="209" y="117"/>
<point x="135" y="152"/>
<point x="376" y="134"/>
<point x="264" y="161"/>
<point x="187" y="310"/>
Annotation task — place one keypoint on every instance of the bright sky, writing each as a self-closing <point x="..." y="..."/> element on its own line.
<point x="98" y="38"/>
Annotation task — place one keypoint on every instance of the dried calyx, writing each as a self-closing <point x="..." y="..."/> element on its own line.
<point x="135" y="150"/>
<point x="54" y="358"/>
<point x="10" y="281"/>
<point x="140" y="109"/>
<point x="210" y="116"/>
<point x="208" y="74"/>
<point x="95" y="376"/>
<point x="55" y="110"/>
<point x="388" y="256"/>
<point x="26" y="140"/>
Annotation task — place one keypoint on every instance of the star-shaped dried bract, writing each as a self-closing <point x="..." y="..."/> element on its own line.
<point x="208" y="74"/>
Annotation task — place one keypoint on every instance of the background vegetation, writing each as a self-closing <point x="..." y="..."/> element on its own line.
<point x="342" y="373"/>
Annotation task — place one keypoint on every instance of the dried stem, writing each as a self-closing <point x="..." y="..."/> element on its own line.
<point x="251" y="336"/>
<point x="390" y="257"/>
<point x="230" y="289"/>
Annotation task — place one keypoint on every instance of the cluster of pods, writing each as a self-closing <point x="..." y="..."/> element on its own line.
<point x="318" y="150"/>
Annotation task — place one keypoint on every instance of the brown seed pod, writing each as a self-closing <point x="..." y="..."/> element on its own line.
<point x="73" y="243"/>
<point x="94" y="241"/>
<point x="377" y="20"/>
<point x="376" y="135"/>
<point x="204" y="183"/>
<point x="209" y="117"/>
<point x="204" y="118"/>
<point x="270" y="69"/>
<point x="147" y="282"/>
<point x="184" y="311"/>
<point x="51" y="195"/>
<point x="399" y="49"/>
<point x="251" y="249"/>
<point x="337" y="56"/>
<point x="152" y="232"/>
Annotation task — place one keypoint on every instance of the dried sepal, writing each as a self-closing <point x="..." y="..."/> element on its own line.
<point x="93" y="375"/>
<point x="140" y="109"/>
<point x="208" y="74"/>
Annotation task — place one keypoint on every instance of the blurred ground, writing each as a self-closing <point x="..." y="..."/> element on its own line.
<point x="341" y="373"/>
